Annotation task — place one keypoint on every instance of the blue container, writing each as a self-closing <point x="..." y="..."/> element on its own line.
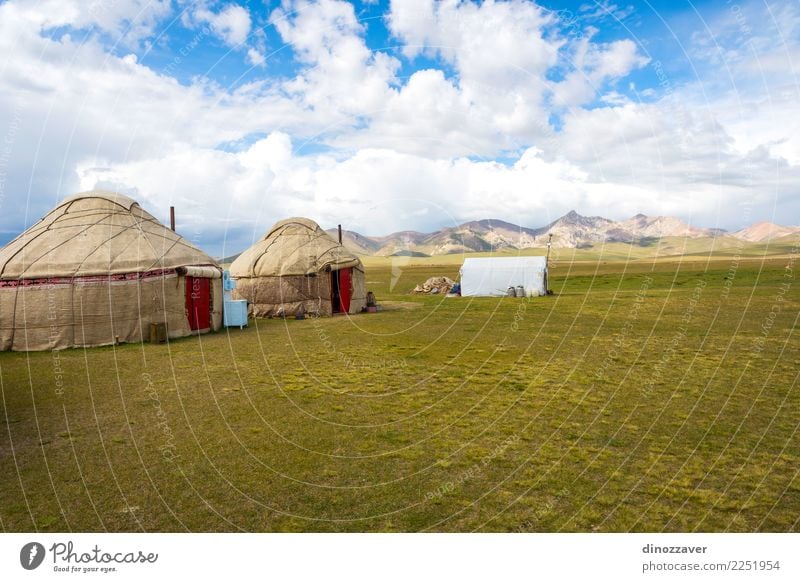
<point x="228" y="284"/>
<point x="234" y="311"/>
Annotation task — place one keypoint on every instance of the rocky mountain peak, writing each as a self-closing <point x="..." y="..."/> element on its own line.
<point x="569" y="231"/>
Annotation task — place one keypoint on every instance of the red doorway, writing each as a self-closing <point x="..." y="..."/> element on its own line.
<point x="198" y="303"/>
<point x="341" y="290"/>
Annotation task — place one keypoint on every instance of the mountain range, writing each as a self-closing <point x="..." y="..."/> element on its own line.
<point x="569" y="231"/>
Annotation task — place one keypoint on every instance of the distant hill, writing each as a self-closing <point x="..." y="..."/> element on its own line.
<point x="355" y="242"/>
<point x="409" y="254"/>
<point x="229" y="260"/>
<point x="569" y="231"/>
<point x="480" y="235"/>
<point x="406" y="240"/>
<point x="765" y="231"/>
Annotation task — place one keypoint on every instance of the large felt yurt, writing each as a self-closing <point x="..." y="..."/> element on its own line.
<point x="295" y="267"/>
<point x="98" y="270"/>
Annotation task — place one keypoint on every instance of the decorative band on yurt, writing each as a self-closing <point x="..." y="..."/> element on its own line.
<point x="49" y="281"/>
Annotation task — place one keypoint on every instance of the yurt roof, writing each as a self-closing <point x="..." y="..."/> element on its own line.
<point x="96" y="233"/>
<point x="294" y="246"/>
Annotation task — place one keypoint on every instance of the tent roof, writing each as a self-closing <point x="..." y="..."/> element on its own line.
<point x="295" y="246"/>
<point x="96" y="233"/>
<point x="535" y="263"/>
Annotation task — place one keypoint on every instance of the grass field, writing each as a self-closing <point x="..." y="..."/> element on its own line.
<point x="644" y="395"/>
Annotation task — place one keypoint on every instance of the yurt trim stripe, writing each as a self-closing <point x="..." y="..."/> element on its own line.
<point x="89" y="278"/>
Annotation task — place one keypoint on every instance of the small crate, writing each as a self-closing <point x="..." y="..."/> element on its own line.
<point x="158" y="333"/>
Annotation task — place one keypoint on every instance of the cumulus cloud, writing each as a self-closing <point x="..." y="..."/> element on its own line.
<point x="342" y="136"/>
<point x="503" y="55"/>
<point x="218" y="194"/>
<point x="592" y="66"/>
<point x="488" y="43"/>
<point x="500" y="53"/>
<point x="376" y="191"/>
<point x="70" y="100"/>
<point x="255" y="57"/>
<point x="231" y="24"/>
<point x="429" y="116"/>
<point x="128" y="21"/>
<point x="341" y="74"/>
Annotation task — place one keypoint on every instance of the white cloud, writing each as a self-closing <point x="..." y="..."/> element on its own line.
<point x="314" y="28"/>
<point x="231" y="24"/>
<point x="748" y="77"/>
<point x="638" y="168"/>
<point x="406" y="153"/>
<point x="595" y="64"/>
<point x="488" y="43"/>
<point x="73" y="102"/>
<point x="209" y="188"/>
<point x="342" y="74"/>
<point x="684" y="159"/>
<point x="606" y="10"/>
<point x="255" y="57"/>
<point x="126" y="20"/>
<point x="500" y="52"/>
<point x="428" y="116"/>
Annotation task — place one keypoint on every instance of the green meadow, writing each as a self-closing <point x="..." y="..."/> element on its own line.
<point x="655" y="390"/>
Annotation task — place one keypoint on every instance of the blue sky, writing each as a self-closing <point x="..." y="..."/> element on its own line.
<point x="389" y="116"/>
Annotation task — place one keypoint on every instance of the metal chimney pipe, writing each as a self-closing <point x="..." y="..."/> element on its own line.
<point x="340" y="234"/>
<point x="172" y="218"/>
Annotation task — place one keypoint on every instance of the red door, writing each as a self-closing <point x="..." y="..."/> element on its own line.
<point x="345" y="291"/>
<point x="198" y="302"/>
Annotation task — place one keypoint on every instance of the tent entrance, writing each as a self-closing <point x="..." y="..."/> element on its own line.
<point x="341" y="290"/>
<point x="198" y="303"/>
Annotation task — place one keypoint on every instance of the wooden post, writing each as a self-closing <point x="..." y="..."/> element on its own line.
<point x="172" y="218"/>
<point x="340" y="234"/>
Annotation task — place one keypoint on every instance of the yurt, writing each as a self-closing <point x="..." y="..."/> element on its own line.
<point x="297" y="267"/>
<point x="99" y="270"/>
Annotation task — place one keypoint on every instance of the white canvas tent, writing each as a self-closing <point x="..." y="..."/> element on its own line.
<point x="492" y="276"/>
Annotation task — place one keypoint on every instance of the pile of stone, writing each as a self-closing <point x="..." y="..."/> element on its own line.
<point x="435" y="285"/>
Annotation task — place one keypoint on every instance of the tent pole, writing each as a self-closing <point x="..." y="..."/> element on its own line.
<point x="547" y="266"/>
<point x="172" y="218"/>
<point x="340" y="234"/>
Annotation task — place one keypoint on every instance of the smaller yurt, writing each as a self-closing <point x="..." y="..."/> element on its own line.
<point x="492" y="276"/>
<point x="298" y="267"/>
<point x="98" y="270"/>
